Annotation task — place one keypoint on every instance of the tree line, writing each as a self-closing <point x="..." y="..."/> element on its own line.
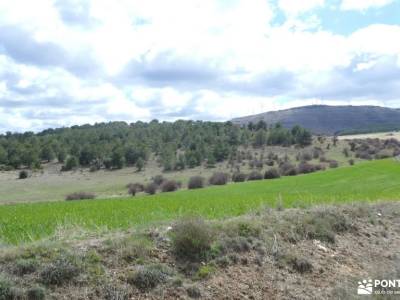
<point x="177" y="145"/>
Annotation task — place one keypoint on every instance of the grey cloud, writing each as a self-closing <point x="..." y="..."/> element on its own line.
<point x="23" y="48"/>
<point x="382" y="81"/>
<point x="169" y="70"/>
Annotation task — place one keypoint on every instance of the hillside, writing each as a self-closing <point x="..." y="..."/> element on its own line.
<point x="264" y="239"/>
<point x="324" y="119"/>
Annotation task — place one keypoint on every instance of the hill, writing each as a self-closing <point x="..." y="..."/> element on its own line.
<point x="324" y="119"/>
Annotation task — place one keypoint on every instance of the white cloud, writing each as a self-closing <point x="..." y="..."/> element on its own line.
<point x="296" y="7"/>
<point x="363" y="4"/>
<point x="208" y="59"/>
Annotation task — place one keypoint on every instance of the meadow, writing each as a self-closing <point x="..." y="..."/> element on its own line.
<point x="366" y="181"/>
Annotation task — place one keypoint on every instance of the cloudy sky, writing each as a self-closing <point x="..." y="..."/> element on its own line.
<point x="65" y="62"/>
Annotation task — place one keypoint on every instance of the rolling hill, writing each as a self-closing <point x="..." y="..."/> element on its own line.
<point x="324" y="119"/>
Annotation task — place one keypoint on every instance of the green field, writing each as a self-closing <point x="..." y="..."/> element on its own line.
<point x="368" y="181"/>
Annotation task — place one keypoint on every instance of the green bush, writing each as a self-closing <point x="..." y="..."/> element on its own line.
<point x="205" y="272"/>
<point x="191" y="239"/>
<point x="23" y="174"/>
<point x="71" y="163"/>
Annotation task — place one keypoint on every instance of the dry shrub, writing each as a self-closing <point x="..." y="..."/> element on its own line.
<point x="218" y="178"/>
<point x="196" y="182"/>
<point x="169" y="186"/>
<point x="80" y="196"/>
<point x="271" y="174"/>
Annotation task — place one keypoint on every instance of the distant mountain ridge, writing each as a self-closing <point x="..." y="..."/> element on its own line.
<point x="325" y="119"/>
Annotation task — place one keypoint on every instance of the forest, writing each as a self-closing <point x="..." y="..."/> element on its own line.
<point x="177" y="145"/>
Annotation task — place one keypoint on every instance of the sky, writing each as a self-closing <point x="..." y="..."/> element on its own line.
<point x="68" y="62"/>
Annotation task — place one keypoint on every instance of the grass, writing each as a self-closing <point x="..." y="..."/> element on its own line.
<point x="368" y="181"/>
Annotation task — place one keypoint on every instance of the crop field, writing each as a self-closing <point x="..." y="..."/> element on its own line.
<point x="368" y="181"/>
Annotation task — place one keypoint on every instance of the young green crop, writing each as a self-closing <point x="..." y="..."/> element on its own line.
<point x="376" y="180"/>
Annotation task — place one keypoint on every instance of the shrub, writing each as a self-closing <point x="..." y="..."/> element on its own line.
<point x="333" y="164"/>
<point x="23" y="174"/>
<point x="80" y="196"/>
<point x="191" y="239"/>
<point x="255" y="176"/>
<point x="218" y="178"/>
<point x="239" y="177"/>
<point x="137" y="186"/>
<point x="151" y="188"/>
<point x="351" y="162"/>
<point x="271" y="174"/>
<point x="305" y="168"/>
<point x="158" y="180"/>
<point x="270" y="163"/>
<point x="25" y="266"/>
<point x="222" y="261"/>
<point x="299" y="264"/>
<point x="193" y="292"/>
<point x="169" y="186"/>
<point x="305" y="156"/>
<point x="5" y="289"/>
<point x="287" y="169"/>
<point x="36" y="293"/>
<point x="112" y="291"/>
<point x="148" y="277"/>
<point x="132" y="190"/>
<point x="205" y="272"/>
<point x="323" y="226"/>
<point x="195" y="182"/>
<point x="236" y="244"/>
<point x="61" y="271"/>
<point x="71" y="163"/>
